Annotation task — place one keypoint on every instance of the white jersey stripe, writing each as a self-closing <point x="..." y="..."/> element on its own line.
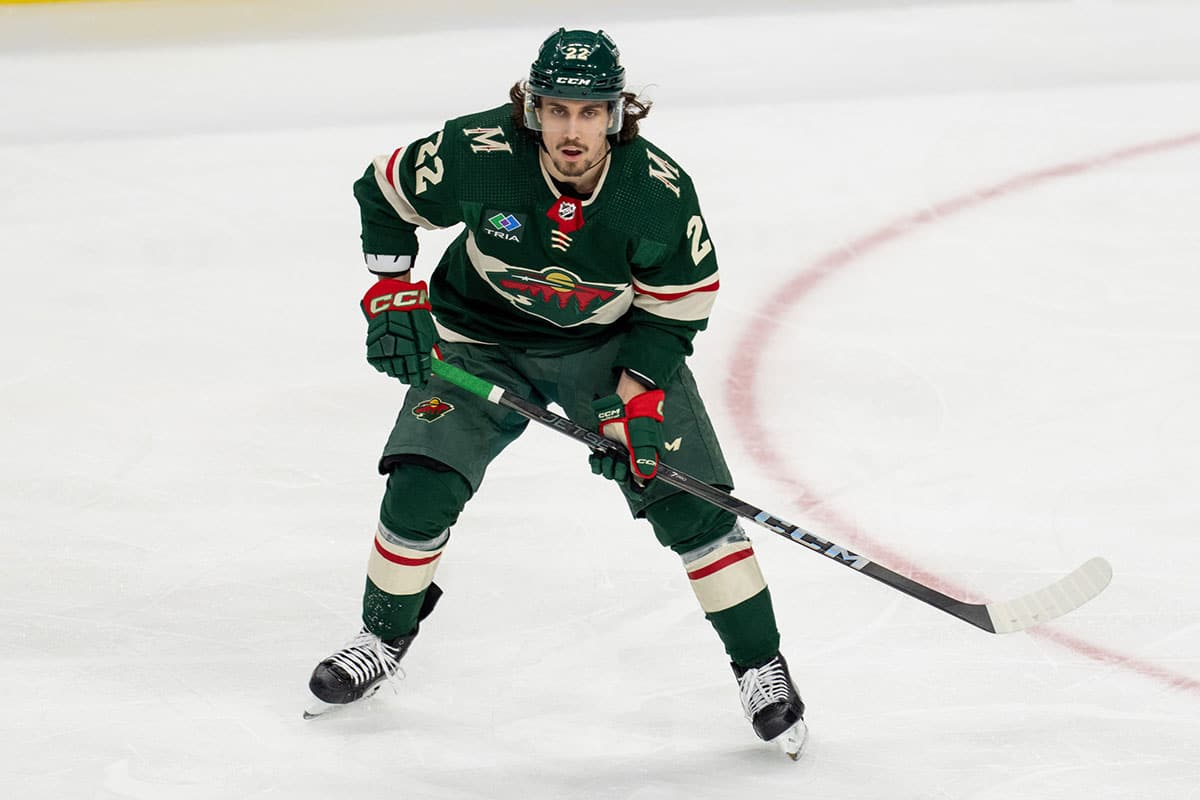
<point x="689" y="308"/>
<point x="389" y="184"/>
<point x="678" y="289"/>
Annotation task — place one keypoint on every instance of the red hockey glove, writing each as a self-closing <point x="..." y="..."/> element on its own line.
<point x="400" y="332"/>
<point x="637" y="425"/>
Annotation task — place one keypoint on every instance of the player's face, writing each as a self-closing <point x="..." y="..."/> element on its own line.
<point x="574" y="133"/>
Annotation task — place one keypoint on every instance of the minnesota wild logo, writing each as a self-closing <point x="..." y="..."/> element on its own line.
<point x="432" y="409"/>
<point x="555" y="294"/>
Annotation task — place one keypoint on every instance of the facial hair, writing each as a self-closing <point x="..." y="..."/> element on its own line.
<point x="580" y="167"/>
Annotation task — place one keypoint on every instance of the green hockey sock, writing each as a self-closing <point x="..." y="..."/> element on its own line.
<point x="390" y="615"/>
<point x="748" y="630"/>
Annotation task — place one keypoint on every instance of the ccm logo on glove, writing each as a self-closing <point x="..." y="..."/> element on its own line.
<point x="636" y="424"/>
<point x="400" y="330"/>
<point x="394" y="295"/>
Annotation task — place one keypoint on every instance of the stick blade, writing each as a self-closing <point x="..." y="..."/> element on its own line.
<point x="1060" y="597"/>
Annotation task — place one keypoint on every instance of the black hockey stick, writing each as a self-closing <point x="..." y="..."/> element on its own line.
<point x="1060" y="597"/>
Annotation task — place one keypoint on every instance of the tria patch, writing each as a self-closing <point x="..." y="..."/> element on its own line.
<point x="503" y="225"/>
<point x="432" y="409"/>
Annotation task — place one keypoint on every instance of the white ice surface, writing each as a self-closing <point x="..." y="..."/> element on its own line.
<point x="189" y="430"/>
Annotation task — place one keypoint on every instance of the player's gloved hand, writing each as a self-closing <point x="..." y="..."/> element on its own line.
<point x="400" y="332"/>
<point x="637" y="425"/>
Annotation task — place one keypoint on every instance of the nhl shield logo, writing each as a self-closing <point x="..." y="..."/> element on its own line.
<point x="567" y="212"/>
<point x="432" y="409"/>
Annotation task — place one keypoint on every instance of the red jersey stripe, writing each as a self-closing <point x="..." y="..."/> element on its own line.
<point x="391" y="165"/>
<point x="710" y="287"/>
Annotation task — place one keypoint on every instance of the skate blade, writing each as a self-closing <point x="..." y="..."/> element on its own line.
<point x="791" y="742"/>
<point x="319" y="708"/>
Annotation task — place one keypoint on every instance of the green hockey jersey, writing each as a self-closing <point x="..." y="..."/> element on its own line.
<point x="539" y="271"/>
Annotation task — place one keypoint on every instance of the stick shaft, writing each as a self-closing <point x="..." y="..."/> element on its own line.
<point x="976" y="614"/>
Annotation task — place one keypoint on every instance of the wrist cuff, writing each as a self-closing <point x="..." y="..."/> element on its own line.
<point x="647" y="404"/>
<point x="388" y="265"/>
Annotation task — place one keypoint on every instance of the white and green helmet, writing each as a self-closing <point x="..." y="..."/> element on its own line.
<point x="577" y="65"/>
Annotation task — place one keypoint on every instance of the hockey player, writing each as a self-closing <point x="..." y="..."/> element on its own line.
<point x="583" y="270"/>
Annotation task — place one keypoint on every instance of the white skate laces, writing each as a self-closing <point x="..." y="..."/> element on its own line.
<point x="366" y="657"/>
<point x="762" y="686"/>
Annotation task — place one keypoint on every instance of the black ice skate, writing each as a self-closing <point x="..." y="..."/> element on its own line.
<point x="360" y="668"/>
<point x="773" y="705"/>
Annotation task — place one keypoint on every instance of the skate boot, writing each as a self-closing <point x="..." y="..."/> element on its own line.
<point x="773" y="705"/>
<point x="357" y="670"/>
<point x="360" y="668"/>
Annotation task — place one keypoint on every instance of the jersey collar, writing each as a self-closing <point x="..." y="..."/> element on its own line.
<point x="599" y="184"/>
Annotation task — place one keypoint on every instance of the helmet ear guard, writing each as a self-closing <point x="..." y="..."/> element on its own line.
<point x="616" y="110"/>
<point x="531" y="118"/>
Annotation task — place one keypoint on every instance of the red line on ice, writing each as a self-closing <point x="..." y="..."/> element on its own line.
<point x="740" y="393"/>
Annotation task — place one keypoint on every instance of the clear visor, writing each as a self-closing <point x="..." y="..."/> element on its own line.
<point x="534" y="124"/>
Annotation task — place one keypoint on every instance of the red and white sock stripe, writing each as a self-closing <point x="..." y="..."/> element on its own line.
<point x="397" y="569"/>
<point x="726" y="576"/>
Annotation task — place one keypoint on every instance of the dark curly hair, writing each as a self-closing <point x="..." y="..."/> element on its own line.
<point x="635" y="111"/>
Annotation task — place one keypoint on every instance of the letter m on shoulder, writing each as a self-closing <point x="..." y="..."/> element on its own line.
<point x="488" y="140"/>
<point x="664" y="171"/>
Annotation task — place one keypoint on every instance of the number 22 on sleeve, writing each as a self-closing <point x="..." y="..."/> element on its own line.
<point x="429" y="174"/>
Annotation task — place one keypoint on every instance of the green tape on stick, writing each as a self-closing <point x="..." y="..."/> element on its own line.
<point x="463" y="379"/>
